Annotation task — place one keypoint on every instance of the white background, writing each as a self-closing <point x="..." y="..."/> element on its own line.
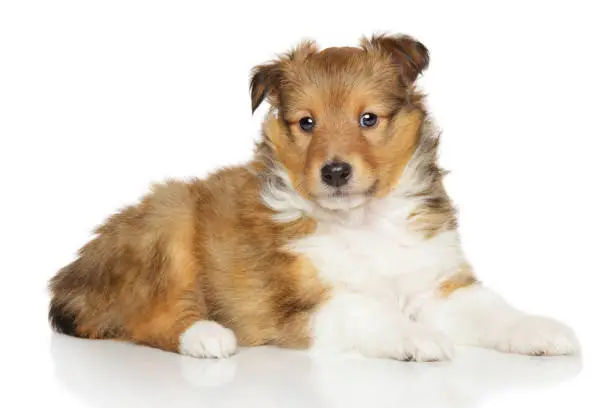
<point x="98" y="99"/>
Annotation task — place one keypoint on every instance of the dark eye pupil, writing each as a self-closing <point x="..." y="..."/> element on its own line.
<point x="307" y="123"/>
<point x="368" y="120"/>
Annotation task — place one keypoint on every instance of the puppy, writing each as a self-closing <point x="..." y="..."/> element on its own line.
<point x="338" y="236"/>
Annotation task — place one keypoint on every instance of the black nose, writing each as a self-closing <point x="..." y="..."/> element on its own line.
<point x="336" y="174"/>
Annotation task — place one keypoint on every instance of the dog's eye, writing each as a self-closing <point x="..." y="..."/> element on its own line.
<point x="368" y="119"/>
<point x="307" y="123"/>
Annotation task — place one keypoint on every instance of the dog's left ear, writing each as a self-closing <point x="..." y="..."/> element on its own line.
<point x="265" y="81"/>
<point x="410" y="55"/>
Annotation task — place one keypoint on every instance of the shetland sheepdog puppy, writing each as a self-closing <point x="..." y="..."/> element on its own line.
<point x="338" y="236"/>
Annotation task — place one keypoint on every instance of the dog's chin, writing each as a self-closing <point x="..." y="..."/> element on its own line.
<point x="342" y="203"/>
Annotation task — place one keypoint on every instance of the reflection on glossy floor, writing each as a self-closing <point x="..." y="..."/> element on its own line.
<point x="111" y="374"/>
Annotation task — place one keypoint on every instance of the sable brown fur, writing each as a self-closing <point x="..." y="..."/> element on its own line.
<point x="190" y="251"/>
<point x="212" y="250"/>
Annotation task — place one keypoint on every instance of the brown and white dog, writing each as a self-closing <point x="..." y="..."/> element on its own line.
<point x="338" y="236"/>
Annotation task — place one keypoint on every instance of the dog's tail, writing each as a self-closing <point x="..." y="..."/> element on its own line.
<point x="61" y="319"/>
<point x="65" y="287"/>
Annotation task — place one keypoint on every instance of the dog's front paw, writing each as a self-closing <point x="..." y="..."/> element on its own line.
<point x="538" y="336"/>
<point x="207" y="339"/>
<point x="417" y="343"/>
<point x="428" y="345"/>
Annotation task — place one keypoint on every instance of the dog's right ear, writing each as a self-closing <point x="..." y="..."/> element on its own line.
<point x="266" y="78"/>
<point x="265" y="82"/>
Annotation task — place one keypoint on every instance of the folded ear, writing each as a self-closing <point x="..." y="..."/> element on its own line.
<point x="410" y="55"/>
<point x="265" y="80"/>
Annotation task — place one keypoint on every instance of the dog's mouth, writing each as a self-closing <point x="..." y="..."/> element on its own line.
<point x="342" y="198"/>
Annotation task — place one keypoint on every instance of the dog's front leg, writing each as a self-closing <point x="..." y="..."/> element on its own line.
<point x="356" y="322"/>
<point x="476" y="316"/>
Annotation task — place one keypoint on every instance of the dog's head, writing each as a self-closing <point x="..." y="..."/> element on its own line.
<point x="344" y="121"/>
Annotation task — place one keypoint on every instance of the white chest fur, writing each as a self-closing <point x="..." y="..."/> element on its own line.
<point x="377" y="253"/>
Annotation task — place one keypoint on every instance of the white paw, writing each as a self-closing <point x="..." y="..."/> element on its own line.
<point x="424" y="344"/>
<point x="417" y="343"/>
<point x="431" y="345"/>
<point x="538" y="336"/>
<point x="207" y="339"/>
